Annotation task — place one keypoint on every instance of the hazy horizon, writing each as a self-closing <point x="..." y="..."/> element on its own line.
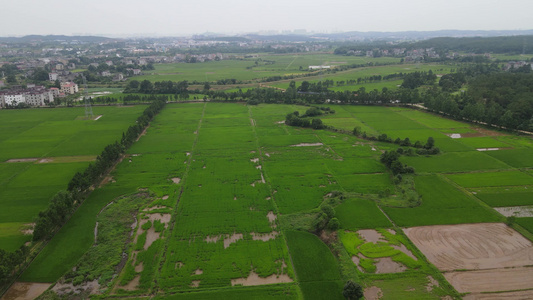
<point x="171" y="18"/>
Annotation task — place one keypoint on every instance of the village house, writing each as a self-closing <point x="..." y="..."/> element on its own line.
<point x="69" y="88"/>
<point x="35" y="96"/>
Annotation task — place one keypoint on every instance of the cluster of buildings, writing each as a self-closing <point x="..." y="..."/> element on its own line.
<point x="35" y="95"/>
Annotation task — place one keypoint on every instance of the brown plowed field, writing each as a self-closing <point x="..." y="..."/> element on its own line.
<point x="492" y="280"/>
<point x="472" y="246"/>
<point x="521" y="295"/>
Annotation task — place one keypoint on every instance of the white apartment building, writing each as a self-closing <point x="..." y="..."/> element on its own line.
<point x="69" y="88"/>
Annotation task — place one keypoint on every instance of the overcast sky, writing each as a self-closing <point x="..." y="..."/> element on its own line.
<point x="179" y="17"/>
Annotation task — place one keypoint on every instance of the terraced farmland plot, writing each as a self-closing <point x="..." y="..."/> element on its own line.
<point x="225" y="226"/>
<point x="41" y="150"/>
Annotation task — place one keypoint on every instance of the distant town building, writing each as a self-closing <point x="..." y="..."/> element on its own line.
<point x="319" y="67"/>
<point x="69" y="88"/>
<point x="53" y="76"/>
<point x="35" y="96"/>
<point x="2" y="84"/>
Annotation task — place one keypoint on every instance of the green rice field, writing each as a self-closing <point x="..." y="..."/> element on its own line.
<point x="233" y="197"/>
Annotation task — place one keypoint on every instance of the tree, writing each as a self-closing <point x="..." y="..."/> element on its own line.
<point x="430" y="143"/>
<point x="334" y="224"/>
<point x="352" y="291"/>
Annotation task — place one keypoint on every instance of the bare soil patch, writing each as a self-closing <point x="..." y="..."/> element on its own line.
<point x="198" y="272"/>
<point x="387" y="265"/>
<point x="25" y="291"/>
<point x="265" y="237"/>
<point x="472" y="246"/>
<point x="371" y="235"/>
<point x="307" y="145"/>
<point x="213" y="239"/>
<point x="491" y="280"/>
<point x="176" y="180"/>
<point x="255" y="279"/>
<point x="254" y="160"/>
<point x="487" y="149"/>
<point x="431" y="284"/>
<point x="232" y="239"/>
<point x="17" y="160"/>
<point x="271" y="216"/>
<point x="165" y="197"/>
<point x="132" y="285"/>
<point x="195" y="283"/>
<point x="516" y="211"/>
<point x="373" y="293"/>
<point x="404" y="249"/>
<point x="90" y="287"/>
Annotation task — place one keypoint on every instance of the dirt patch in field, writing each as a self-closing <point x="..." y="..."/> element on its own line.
<point x="254" y="160"/>
<point x="265" y="237"/>
<point x="271" y="216"/>
<point x="155" y="208"/>
<point x="516" y="211"/>
<point x="472" y="246"/>
<point x="212" y="239"/>
<point x="404" y="249"/>
<point x="198" y="272"/>
<point x="307" y="145"/>
<point x="139" y="267"/>
<point x="232" y="239"/>
<point x="176" y="180"/>
<point x="387" y="265"/>
<point x="487" y="149"/>
<point x="90" y="287"/>
<point x="268" y="155"/>
<point x="371" y="235"/>
<point x="18" y="160"/>
<point x="165" y="197"/>
<point x="132" y="285"/>
<point x="195" y="283"/>
<point x="27" y="229"/>
<point x="373" y="293"/>
<point x="431" y="284"/>
<point x="520" y="295"/>
<point x="491" y="280"/>
<point x="255" y="279"/>
<point x="25" y="291"/>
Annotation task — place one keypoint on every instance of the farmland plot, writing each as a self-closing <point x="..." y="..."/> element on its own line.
<point x="41" y="150"/>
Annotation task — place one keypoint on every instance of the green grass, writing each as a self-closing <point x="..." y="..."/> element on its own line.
<point x="489" y="179"/>
<point x="527" y="223"/>
<point x="501" y="197"/>
<point x="454" y="162"/>
<point x="319" y="279"/>
<point x="356" y="214"/>
<point x="442" y="203"/>
<point x="518" y="158"/>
